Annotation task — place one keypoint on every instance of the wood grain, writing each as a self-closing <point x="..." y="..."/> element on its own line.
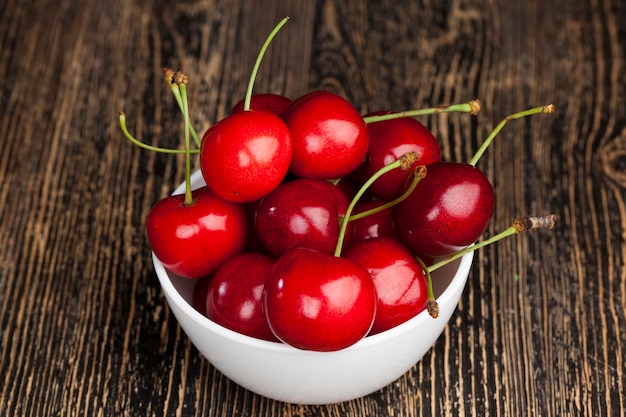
<point x="84" y="328"/>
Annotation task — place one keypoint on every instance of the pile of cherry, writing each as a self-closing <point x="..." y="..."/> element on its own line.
<point x="317" y="225"/>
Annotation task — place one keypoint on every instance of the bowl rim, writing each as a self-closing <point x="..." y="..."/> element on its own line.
<point x="174" y="295"/>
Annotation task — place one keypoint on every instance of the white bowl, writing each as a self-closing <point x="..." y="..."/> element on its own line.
<point x="284" y="373"/>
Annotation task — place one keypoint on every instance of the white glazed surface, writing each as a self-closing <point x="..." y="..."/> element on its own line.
<point x="287" y="374"/>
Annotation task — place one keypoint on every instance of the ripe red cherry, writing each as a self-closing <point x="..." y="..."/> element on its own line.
<point x="234" y="298"/>
<point x="330" y="138"/>
<point x="319" y="302"/>
<point x="246" y="155"/>
<point x="389" y="140"/>
<point x="380" y="224"/>
<point x="193" y="240"/>
<point x="273" y="103"/>
<point x="448" y="210"/>
<point x="301" y="213"/>
<point x="399" y="280"/>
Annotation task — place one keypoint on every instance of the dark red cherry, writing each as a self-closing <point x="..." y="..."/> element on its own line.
<point x="389" y="140"/>
<point x="273" y="103"/>
<point x="193" y="240"/>
<point x="448" y="210"/>
<point x="234" y="298"/>
<point x="380" y="224"/>
<point x="246" y="155"/>
<point x="399" y="280"/>
<point x="301" y="213"/>
<point x="319" y="302"/>
<point x="330" y="138"/>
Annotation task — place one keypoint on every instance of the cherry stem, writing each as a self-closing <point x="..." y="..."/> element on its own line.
<point x="169" y="78"/>
<point x="257" y="64"/>
<point x="432" y="305"/>
<point x="183" y="93"/>
<point x="146" y="146"/>
<point x="418" y="173"/>
<point x="404" y="162"/>
<point x="519" y="225"/>
<point x="549" y="108"/>
<point x="471" y="107"/>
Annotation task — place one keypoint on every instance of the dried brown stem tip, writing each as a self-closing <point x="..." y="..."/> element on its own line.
<point x="407" y="160"/>
<point x="531" y="222"/>
<point x="420" y="171"/>
<point x="475" y="105"/>
<point x="548" y="108"/>
<point x="179" y="78"/>
<point x="433" y="309"/>
<point x="168" y="75"/>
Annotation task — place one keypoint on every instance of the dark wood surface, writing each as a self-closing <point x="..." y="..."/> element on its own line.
<point x="84" y="328"/>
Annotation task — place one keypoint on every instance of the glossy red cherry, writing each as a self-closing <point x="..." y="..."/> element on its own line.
<point x="246" y="155"/>
<point x="301" y="213"/>
<point x="319" y="302"/>
<point x="330" y="138"/>
<point x="273" y="103"/>
<point x="193" y="240"/>
<point x="399" y="280"/>
<point x="448" y="210"/>
<point x="380" y="224"/>
<point x="234" y="298"/>
<point x="389" y="140"/>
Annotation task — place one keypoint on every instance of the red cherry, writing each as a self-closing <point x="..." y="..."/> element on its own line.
<point x="399" y="280"/>
<point x="301" y="213"/>
<point x="234" y="298"/>
<point x="330" y="138"/>
<point x="193" y="240"/>
<point x="448" y="210"/>
<point x="389" y="140"/>
<point x="380" y="224"/>
<point x="273" y="103"/>
<point x="319" y="302"/>
<point x="246" y="155"/>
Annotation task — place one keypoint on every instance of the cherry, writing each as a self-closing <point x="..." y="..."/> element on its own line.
<point x="400" y="281"/>
<point x="192" y="240"/>
<point x="448" y="210"/>
<point x="234" y="297"/>
<point x="302" y="212"/>
<point x="330" y="138"/>
<point x="246" y="155"/>
<point x="273" y="103"/>
<point x="319" y="302"/>
<point x="452" y="206"/>
<point x="379" y="224"/>
<point x="390" y="139"/>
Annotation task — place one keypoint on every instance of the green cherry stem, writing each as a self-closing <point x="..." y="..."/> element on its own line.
<point x="549" y="108"/>
<point x="472" y="107"/>
<point x="521" y="224"/>
<point x="257" y="64"/>
<point x="432" y="306"/>
<point x="418" y="173"/>
<point x="169" y="78"/>
<point x="145" y="145"/>
<point x="404" y="162"/>
<point x="182" y="82"/>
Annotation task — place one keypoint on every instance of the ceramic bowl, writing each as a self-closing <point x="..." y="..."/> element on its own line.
<point x="284" y="373"/>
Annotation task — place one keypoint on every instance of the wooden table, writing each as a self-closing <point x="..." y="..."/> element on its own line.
<point x="84" y="328"/>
